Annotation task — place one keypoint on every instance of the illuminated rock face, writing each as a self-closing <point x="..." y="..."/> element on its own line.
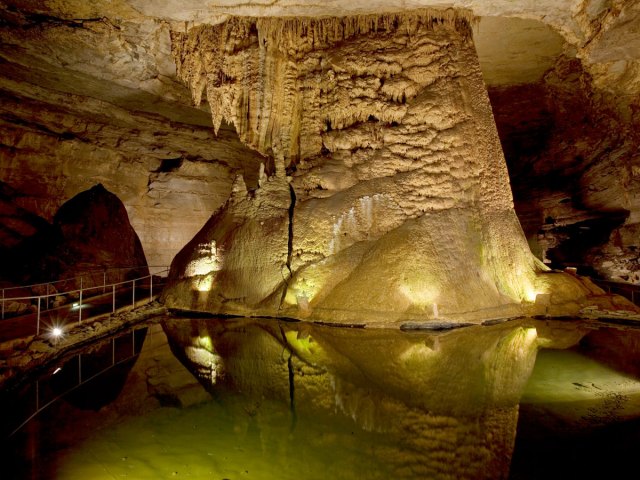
<point x="386" y="195"/>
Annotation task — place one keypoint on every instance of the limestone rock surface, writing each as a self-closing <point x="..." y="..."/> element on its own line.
<point x="574" y="169"/>
<point x="400" y="204"/>
<point x="89" y="95"/>
<point x="92" y="99"/>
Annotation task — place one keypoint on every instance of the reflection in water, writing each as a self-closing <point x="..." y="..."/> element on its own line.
<point x="265" y="399"/>
<point x="440" y="404"/>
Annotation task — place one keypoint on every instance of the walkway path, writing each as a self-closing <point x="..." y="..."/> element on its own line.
<point x="68" y="315"/>
<point x="82" y="306"/>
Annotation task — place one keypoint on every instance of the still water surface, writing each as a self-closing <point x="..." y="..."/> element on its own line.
<point x="263" y="399"/>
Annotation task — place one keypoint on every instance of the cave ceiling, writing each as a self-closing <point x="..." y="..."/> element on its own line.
<point x="90" y="95"/>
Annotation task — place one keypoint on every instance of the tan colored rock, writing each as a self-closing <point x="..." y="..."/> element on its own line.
<point x="108" y="63"/>
<point x="401" y="205"/>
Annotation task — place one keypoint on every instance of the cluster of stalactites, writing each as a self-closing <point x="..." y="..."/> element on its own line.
<point x="201" y="53"/>
<point x="303" y="34"/>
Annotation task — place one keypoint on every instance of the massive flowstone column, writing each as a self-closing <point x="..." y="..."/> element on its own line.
<point x="384" y="194"/>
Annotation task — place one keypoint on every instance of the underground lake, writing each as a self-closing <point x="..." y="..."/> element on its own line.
<point x="248" y="398"/>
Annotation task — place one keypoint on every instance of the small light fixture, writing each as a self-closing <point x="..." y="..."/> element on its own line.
<point x="56" y="332"/>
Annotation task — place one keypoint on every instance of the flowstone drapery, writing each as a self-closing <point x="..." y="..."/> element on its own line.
<point x="384" y="194"/>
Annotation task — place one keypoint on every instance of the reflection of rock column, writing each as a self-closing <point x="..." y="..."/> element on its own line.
<point x="447" y="403"/>
<point x="382" y="127"/>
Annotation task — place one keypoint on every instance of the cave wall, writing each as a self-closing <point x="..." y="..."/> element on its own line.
<point x="48" y="154"/>
<point x="89" y="95"/>
<point x="95" y="100"/>
<point x="575" y="171"/>
<point x="89" y="232"/>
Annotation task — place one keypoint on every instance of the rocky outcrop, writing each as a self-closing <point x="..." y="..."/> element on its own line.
<point x="90" y="95"/>
<point x="89" y="100"/>
<point x="399" y="204"/>
<point x="91" y="231"/>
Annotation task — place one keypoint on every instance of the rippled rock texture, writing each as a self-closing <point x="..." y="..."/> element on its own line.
<point x="385" y="193"/>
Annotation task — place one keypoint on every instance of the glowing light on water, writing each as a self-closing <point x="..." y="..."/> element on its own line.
<point x="302" y="343"/>
<point x="531" y="335"/>
<point x="203" y="355"/>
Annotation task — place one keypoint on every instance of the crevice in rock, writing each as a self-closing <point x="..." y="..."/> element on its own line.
<point x="168" y="165"/>
<point x="40" y="20"/>
<point x="292" y="207"/>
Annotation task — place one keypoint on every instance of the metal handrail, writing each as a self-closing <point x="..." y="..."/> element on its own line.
<point x="85" y="274"/>
<point x="79" y="292"/>
<point x="621" y="287"/>
<point x="81" y="380"/>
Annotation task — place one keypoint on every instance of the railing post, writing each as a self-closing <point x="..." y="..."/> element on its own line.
<point x="104" y="281"/>
<point x="113" y="310"/>
<point x="150" y="288"/>
<point x="80" y="304"/>
<point x="133" y="303"/>
<point x="46" y="301"/>
<point x="38" y="318"/>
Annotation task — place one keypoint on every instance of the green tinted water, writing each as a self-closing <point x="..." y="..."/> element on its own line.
<point x="261" y="399"/>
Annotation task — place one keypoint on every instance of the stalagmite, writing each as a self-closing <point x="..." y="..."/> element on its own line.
<point x="386" y="191"/>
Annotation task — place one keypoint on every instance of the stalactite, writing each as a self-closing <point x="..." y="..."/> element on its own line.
<point x="231" y="64"/>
